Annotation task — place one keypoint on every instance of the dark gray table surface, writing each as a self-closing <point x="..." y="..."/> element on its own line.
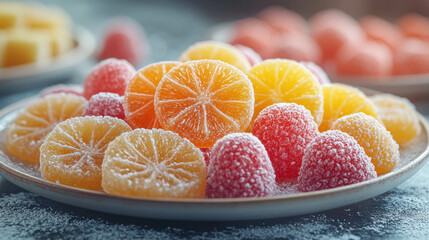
<point x="402" y="213"/>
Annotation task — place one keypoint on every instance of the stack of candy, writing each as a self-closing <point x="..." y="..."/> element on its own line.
<point x="211" y="125"/>
<point x="31" y="33"/>
<point x="371" y="47"/>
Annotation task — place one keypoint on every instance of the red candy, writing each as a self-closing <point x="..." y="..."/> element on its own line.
<point x="206" y="152"/>
<point x="110" y="75"/>
<point x="367" y="59"/>
<point x="412" y="57"/>
<point x="124" y="38"/>
<point x="334" y="159"/>
<point x="318" y="72"/>
<point x="283" y="20"/>
<point x="414" y="25"/>
<point x="298" y="47"/>
<point x="239" y="167"/>
<point x="378" y="29"/>
<point x="105" y="104"/>
<point x="62" y="88"/>
<point x="255" y="34"/>
<point x="253" y="57"/>
<point x="332" y="29"/>
<point x="285" y="129"/>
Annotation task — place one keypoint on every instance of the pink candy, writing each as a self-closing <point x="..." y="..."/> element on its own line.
<point x="253" y="57"/>
<point x="318" y="72"/>
<point x="366" y="59"/>
<point x="239" y="167"/>
<point x="285" y="129"/>
<point x="105" y="104"/>
<point x="124" y="38"/>
<point x="62" y="88"/>
<point x="334" y="159"/>
<point x="110" y="75"/>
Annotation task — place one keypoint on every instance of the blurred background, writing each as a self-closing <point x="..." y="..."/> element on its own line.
<point x="172" y="26"/>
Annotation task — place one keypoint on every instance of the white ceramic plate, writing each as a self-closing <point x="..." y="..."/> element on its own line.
<point x="59" y="67"/>
<point x="407" y="85"/>
<point x="28" y="177"/>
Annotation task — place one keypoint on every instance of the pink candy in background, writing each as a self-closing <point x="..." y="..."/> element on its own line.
<point x="124" y="38"/>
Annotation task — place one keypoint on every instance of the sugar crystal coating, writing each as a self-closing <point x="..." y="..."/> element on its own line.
<point x="27" y="131"/>
<point x="377" y="142"/>
<point x="285" y="129"/>
<point x="110" y="75"/>
<point x="153" y="163"/>
<point x="206" y="153"/>
<point x="105" y="104"/>
<point x="240" y="167"/>
<point x="73" y="151"/>
<point x="334" y="159"/>
<point x="204" y="100"/>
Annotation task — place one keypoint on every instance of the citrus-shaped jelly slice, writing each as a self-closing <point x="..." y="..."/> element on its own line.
<point x="341" y="100"/>
<point x="281" y="80"/>
<point x="399" y="116"/>
<point x="216" y="51"/>
<point x="377" y="142"/>
<point x="73" y="152"/>
<point x="27" y="131"/>
<point x="154" y="163"/>
<point x="204" y="100"/>
<point x="139" y="94"/>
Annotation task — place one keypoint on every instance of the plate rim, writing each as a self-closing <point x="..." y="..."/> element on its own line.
<point x="21" y="178"/>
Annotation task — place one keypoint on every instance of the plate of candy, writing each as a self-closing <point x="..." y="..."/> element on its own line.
<point x="209" y="137"/>
<point x="369" y="52"/>
<point x="40" y="44"/>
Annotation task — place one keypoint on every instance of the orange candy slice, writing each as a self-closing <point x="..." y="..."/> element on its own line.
<point x="373" y="137"/>
<point x="341" y="100"/>
<point x="154" y="163"/>
<point x="399" y="116"/>
<point x="216" y="51"/>
<point x="281" y="80"/>
<point x="28" y="130"/>
<point x="73" y="152"/>
<point x="204" y="100"/>
<point x="138" y="99"/>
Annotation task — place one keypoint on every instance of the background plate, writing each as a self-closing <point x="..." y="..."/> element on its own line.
<point x="28" y="177"/>
<point x="411" y="86"/>
<point x="58" y="69"/>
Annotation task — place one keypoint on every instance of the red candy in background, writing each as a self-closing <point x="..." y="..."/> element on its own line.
<point x="332" y="29"/>
<point x="415" y="26"/>
<point x="110" y="75"/>
<point x="296" y="46"/>
<point x="239" y="167"/>
<point x="283" y="20"/>
<point x="124" y="38"/>
<point x="255" y="34"/>
<point x="380" y="30"/>
<point x="412" y="57"/>
<point x="364" y="59"/>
